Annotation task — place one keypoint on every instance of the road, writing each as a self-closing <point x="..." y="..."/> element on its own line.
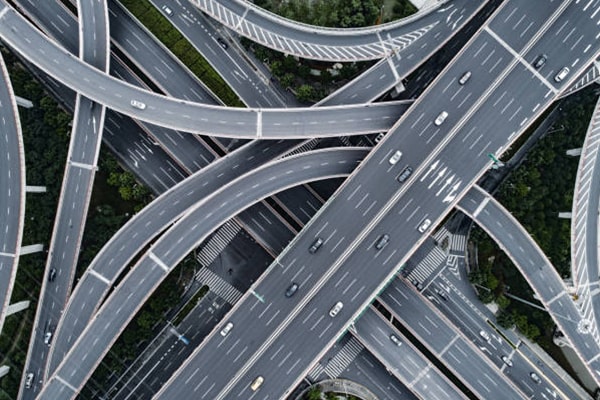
<point x="314" y="42"/>
<point x="580" y="330"/>
<point x="12" y="196"/>
<point x="505" y="92"/>
<point x="200" y="222"/>
<point x="403" y="361"/>
<point x="75" y="195"/>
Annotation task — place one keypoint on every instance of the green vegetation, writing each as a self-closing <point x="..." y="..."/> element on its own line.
<point x="534" y="193"/>
<point x="152" y="19"/>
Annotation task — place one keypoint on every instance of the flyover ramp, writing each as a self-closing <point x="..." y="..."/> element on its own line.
<point x="315" y="42"/>
<point x="157" y="262"/>
<point x="404" y="361"/>
<point x="112" y="260"/>
<point x="584" y="223"/>
<point x="12" y="194"/>
<point x="446" y="160"/>
<point x="580" y="329"/>
<point x="300" y="123"/>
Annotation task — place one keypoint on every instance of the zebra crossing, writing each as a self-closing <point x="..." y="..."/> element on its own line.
<point x="441" y="234"/>
<point x="308" y="146"/>
<point x="218" y="286"/>
<point x="218" y="242"/>
<point x="343" y="358"/>
<point x="426" y="267"/>
<point x="458" y="243"/>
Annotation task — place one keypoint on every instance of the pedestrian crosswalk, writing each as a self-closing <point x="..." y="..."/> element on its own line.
<point x="458" y="243"/>
<point x="218" y="242"/>
<point x="441" y="234"/>
<point x="218" y="286"/>
<point x="311" y="144"/>
<point x="343" y="358"/>
<point x="426" y="267"/>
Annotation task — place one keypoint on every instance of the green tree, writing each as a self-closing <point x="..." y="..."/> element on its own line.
<point x="305" y="92"/>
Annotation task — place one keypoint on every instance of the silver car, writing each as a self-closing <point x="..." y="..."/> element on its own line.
<point x="336" y="309"/>
<point x="424" y="225"/>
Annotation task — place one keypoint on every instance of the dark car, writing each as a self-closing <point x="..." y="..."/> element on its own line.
<point x="405" y="174"/>
<point x="382" y="241"/>
<point x="315" y="245"/>
<point x="52" y="275"/>
<point x="223" y="44"/>
<point x="291" y="289"/>
<point x="417" y="284"/>
<point x="540" y="61"/>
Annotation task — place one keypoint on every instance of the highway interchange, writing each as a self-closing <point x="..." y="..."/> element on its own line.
<point x="500" y="57"/>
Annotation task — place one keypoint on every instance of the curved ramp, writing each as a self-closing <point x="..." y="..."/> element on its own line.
<point x="315" y="42"/>
<point x="187" y="116"/>
<point x="163" y="256"/>
<point x="12" y="195"/>
<point x="584" y="223"/>
<point x="513" y="239"/>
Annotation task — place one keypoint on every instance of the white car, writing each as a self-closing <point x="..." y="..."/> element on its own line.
<point x="48" y="338"/>
<point x="167" y="10"/>
<point x="562" y="74"/>
<point x="395" y="157"/>
<point x="441" y="118"/>
<point x="507" y="361"/>
<point x="29" y="380"/>
<point x="484" y="335"/>
<point x="379" y="137"/>
<point x="138" y="104"/>
<point x="336" y="309"/>
<point x="226" y="329"/>
<point x="424" y="225"/>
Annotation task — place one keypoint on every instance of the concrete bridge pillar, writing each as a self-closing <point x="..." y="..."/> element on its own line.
<point x="574" y="152"/>
<point x="17" y="307"/>
<point x="23" y="102"/>
<point x="564" y="215"/>
<point x="35" y="189"/>
<point x="3" y="370"/>
<point x="33" y="248"/>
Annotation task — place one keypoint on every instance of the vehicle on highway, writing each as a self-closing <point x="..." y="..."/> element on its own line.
<point x="507" y="361"/>
<point x="291" y="289"/>
<point x="226" y="329"/>
<point x="315" y="245"/>
<point x="52" y="275"/>
<point x="167" y="10"/>
<point x="464" y="78"/>
<point x="138" y="104"/>
<point x="424" y="225"/>
<point x="406" y="172"/>
<point x="441" y="293"/>
<point x="48" y="337"/>
<point x="534" y="377"/>
<point x="540" y="61"/>
<point x="336" y="309"/>
<point x="29" y="380"/>
<point x="395" y="157"/>
<point x="485" y="336"/>
<point x="396" y="340"/>
<point x="379" y="137"/>
<point x="257" y="383"/>
<point x="222" y="42"/>
<point x="562" y="74"/>
<point x="417" y="284"/>
<point x="441" y="118"/>
<point x="382" y="241"/>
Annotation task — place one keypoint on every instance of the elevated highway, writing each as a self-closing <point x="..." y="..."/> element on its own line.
<point x="12" y="195"/>
<point x="580" y="329"/>
<point x="153" y="266"/>
<point x="186" y="116"/>
<point x="505" y="92"/>
<point x="585" y="219"/>
<point x="76" y="191"/>
<point x="314" y="42"/>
